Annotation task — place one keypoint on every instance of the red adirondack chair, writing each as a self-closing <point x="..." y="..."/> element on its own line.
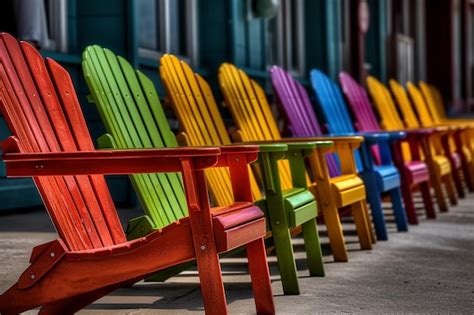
<point x="414" y="171"/>
<point x="92" y="257"/>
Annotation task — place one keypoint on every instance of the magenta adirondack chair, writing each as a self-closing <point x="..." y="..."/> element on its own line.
<point x="413" y="172"/>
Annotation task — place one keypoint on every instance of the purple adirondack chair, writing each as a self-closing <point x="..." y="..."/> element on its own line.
<point x="412" y="172"/>
<point x="293" y="92"/>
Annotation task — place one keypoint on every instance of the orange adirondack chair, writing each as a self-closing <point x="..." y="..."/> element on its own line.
<point x="459" y="156"/>
<point x="431" y="149"/>
<point x="463" y="138"/>
<point x="289" y="209"/>
<point x="92" y="257"/>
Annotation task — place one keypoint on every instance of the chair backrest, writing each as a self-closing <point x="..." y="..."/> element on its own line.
<point x="332" y="103"/>
<point x="40" y="105"/>
<point x="404" y="104"/>
<point x="418" y="101"/>
<point x="200" y="120"/>
<point x="438" y="97"/>
<point x="436" y="108"/>
<point x="295" y="102"/>
<point x="385" y="105"/>
<point x="251" y="111"/>
<point x="358" y="100"/>
<point x="333" y="107"/>
<point x="129" y="106"/>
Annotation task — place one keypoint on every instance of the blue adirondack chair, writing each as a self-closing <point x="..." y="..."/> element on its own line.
<point x="380" y="177"/>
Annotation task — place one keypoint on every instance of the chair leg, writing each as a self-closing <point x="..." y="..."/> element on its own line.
<point x="286" y="258"/>
<point x="369" y="222"/>
<point x="409" y="203"/>
<point x="437" y="181"/>
<point x="399" y="210"/>
<point x="312" y="245"/>
<point x="334" y="230"/>
<point x="470" y="177"/>
<point x="373" y="197"/>
<point x="261" y="284"/>
<point x="448" y="181"/>
<point x="427" y="201"/>
<point x="362" y="222"/>
<point x="457" y="181"/>
<point x="212" y="286"/>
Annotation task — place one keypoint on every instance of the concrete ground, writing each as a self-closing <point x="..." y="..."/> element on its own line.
<point x="430" y="269"/>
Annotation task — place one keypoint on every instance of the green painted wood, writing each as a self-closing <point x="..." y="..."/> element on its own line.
<point x="132" y="114"/>
<point x="278" y="220"/>
<point x="296" y="155"/>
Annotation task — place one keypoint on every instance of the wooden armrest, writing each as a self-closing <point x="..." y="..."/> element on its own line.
<point x="112" y="162"/>
<point x="325" y="139"/>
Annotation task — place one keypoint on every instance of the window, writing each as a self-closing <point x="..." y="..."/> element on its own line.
<point x="56" y="11"/>
<point x="168" y="26"/>
<point x="43" y="22"/>
<point x="285" y="37"/>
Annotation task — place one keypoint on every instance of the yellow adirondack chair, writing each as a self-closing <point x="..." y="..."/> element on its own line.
<point x="254" y="121"/>
<point x="291" y="209"/>
<point x="458" y="154"/>
<point x="432" y="151"/>
<point x="465" y="138"/>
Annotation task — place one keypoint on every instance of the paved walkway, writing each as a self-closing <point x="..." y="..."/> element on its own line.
<point x="427" y="270"/>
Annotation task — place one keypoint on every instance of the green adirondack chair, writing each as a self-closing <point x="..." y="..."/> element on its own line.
<point x="131" y="111"/>
<point x="122" y="98"/>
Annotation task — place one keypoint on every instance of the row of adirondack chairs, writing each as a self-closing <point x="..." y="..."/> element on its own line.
<point x="219" y="192"/>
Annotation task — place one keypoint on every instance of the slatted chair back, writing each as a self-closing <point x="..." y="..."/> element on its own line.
<point x="251" y="112"/>
<point x="385" y="105"/>
<point x="129" y="106"/>
<point x="358" y="100"/>
<point x="432" y="102"/>
<point x="365" y="118"/>
<point x="41" y="108"/>
<point x="333" y="107"/>
<point x="404" y="104"/>
<point x="200" y="120"/>
<point x="441" y="109"/>
<point x="419" y="102"/>
<point x="295" y="102"/>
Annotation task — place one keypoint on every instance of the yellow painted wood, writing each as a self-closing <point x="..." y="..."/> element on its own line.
<point x="254" y="119"/>
<point x="201" y="122"/>
<point x="432" y="152"/>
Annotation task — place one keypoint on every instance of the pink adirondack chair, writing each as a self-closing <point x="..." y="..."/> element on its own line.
<point x="413" y="172"/>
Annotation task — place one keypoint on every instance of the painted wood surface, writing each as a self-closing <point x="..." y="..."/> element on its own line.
<point x="52" y="144"/>
<point x="201" y="123"/>
<point x="378" y="178"/>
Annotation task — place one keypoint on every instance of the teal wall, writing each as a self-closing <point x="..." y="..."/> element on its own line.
<point x="377" y="39"/>
<point x="227" y="31"/>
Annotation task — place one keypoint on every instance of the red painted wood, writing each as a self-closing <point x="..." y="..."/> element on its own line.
<point x="246" y="232"/>
<point x="260" y="274"/>
<point x="98" y="268"/>
<point x="210" y="275"/>
<point x="51" y="143"/>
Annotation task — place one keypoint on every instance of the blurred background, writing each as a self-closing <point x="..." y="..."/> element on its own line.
<point x="402" y="39"/>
